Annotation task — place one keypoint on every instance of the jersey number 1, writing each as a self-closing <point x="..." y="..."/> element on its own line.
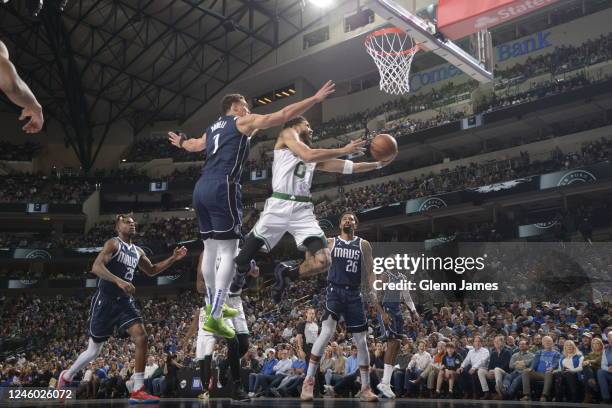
<point x="216" y="143"/>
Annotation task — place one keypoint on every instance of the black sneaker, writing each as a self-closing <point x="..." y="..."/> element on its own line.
<point x="238" y="394"/>
<point x="281" y="280"/>
<point x="238" y="282"/>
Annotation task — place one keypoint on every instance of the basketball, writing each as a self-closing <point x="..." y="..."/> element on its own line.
<point x="383" y="147"/>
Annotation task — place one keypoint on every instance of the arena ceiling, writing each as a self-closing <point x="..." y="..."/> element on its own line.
<point x="101" y="61"/>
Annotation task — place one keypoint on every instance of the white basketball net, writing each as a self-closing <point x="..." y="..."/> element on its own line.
<point x="392" y="49"/>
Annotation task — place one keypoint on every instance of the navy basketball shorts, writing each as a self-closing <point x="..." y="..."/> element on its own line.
<point x="108" y="313"/>
<point x="395" y="327"/>
<point x="218" y="206"/>
<point x="347" y="302"/>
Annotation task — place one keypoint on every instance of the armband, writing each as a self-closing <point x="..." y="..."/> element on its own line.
<point x="348" y="167"/>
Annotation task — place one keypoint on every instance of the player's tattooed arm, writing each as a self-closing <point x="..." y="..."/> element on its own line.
<point x="249" y="123"/>
<point x="100" y="270"/>
<point x="291" y="139"/>
<point x="152" y="269"/>
<point x="191" y="145"/>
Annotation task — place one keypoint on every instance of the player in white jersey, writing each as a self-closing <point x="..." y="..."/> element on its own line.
<point x="205" y="343"/>
<point x="290" y="208"/>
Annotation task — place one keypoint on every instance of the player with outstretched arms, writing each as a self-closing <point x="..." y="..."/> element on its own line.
<point x="113" y="306"/>
<point x="217" y="194"/>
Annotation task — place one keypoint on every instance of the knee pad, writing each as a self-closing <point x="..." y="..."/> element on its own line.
<point x="251" y="245"/>
<point x="363" y="356"/>
<point x="328" y="328"/>
<point x="94" y="348"/>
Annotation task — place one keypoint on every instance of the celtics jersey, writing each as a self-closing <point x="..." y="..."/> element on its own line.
<point x="290" y="175"/>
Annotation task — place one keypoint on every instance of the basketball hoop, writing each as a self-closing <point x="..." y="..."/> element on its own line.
<point x="392" y="49"/>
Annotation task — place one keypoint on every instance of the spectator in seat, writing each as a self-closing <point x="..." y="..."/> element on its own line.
<point x="519" y="361"/>
<point x="590" y="365"/>
<point x="477" y="357"/>
<point x="568" y="372"/>
<point x="499" y="366"/>
<point x="267" y="370"/>
<point x="544" y="362"/>
<point x="604" y="374"/>
<point x="150" y="369"/>
<point x="290" y="384"/>
<point x="585" y="345"/>
<point x="448" y="370"/>
<point x="417" y="365"/>
<point x="431" y="372"/>
<point x="332" y="367"/>
<point x="248" y="365"/>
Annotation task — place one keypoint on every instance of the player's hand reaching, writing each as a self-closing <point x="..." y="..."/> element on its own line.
<point x="36" y="121"/>
<point x="179" y="253"/>
<point x="355" y="146"/>
<point x="126" y="286"/>
<point x="327" y="89"/>
<point x="175" y="139"/>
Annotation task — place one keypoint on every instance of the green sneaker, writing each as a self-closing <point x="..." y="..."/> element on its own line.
<point x="228" y="312"/>
<point x="218" y="327"/>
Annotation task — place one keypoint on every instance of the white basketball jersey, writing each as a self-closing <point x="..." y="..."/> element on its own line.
<point x="290" y="175"/>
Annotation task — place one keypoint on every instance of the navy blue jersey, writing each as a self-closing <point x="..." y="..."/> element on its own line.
<point x="392" y="296"/>
<point x="345" y="269"/>
<point x="122" y="264"/>
<point x="226" y="149"/>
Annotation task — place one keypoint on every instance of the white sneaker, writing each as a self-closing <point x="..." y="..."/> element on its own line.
<point x="386" y="390"/>
<point x="251" y="394"/>
<point x="329" y="391"/>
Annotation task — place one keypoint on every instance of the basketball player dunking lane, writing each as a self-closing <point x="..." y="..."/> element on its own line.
<point x="217" y="194"/>
<point x="290" y="208"/>
<point x="113" y="306"/>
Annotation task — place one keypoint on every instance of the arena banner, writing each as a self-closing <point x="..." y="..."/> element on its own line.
<point x="458" y="18"/>
<point x="587" y="174"/>
<point x="25" y="283"/>
<point x="537" y="229"/>
<point x="422" y="204"/>
<point x="477" y="195"/>
<point x="492" y="271"/>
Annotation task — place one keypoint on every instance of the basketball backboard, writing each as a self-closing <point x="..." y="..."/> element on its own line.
<point x="425" y="33"/>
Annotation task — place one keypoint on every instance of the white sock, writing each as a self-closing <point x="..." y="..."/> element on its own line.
<point x="86" y="357"/>
<point x="226" y="250"/>
<point x="387" y="374"/>
<point x="365" y="378"/>
<point x="138" y="381"/>
<point x="312" y="369"/>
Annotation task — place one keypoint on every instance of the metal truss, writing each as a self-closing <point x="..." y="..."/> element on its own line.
<point x="104" y="61"/>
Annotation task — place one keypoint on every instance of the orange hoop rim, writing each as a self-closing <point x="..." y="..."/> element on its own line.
<point x="391" y="30"/>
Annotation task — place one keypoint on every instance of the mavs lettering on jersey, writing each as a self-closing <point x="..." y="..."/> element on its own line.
<point x="122" y="264"/>
<point x="226" y="149"/>
<point x="345" y="269"/>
